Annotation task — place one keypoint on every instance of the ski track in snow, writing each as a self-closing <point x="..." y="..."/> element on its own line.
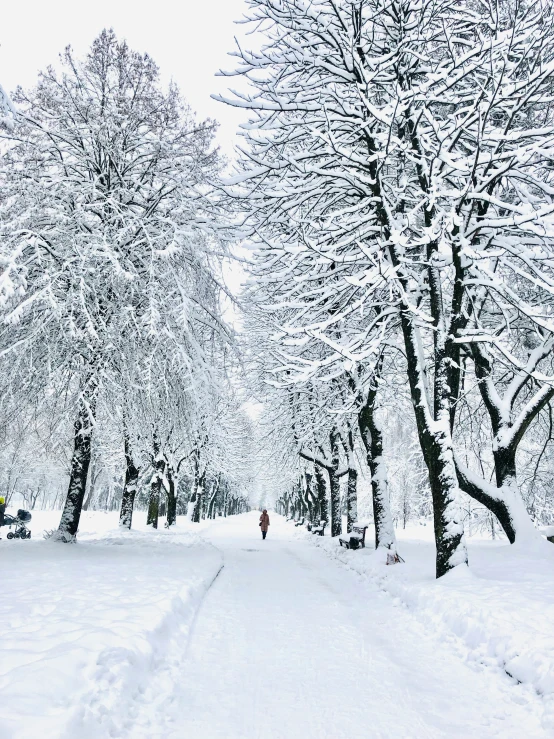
<point x="288" y="644"/>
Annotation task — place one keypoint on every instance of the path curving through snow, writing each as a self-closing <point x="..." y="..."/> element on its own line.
<point x="288" y="644"/>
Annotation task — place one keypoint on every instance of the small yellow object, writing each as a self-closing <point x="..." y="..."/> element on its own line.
<point x="2" y="499"/>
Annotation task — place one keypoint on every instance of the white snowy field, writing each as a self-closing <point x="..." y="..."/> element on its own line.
<point x="86" y="627"/>
<point x="145" y="635"/>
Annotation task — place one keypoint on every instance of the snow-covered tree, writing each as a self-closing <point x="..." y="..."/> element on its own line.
<point x="104" y="227"/>
<point x="7" y="111"/>
<point x="397" y="164"/>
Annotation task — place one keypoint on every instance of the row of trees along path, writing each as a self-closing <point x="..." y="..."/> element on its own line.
<point x="111" y="289"/>
<point x="395" y="181"/>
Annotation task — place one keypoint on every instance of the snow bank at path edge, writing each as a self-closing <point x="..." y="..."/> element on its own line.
<point x="499" y="612"/>
<point x="86" y="626"/>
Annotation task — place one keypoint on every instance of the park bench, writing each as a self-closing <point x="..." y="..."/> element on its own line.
<point x="355" y="539"/>
<point x="320" y="528"/>
<point x="300" y="522"/>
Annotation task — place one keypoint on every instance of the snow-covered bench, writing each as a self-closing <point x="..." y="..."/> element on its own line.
<point x="300" y="522"/>
<point x="355" y="539"/>
<point x="319" y="529"/>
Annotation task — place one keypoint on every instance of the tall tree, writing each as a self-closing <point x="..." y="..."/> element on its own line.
<point x="103" y="220"/>
<point x="372" y="164"/>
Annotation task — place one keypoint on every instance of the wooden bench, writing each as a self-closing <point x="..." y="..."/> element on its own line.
<point x="355" y="539"/>
<point x="319" y="529"/>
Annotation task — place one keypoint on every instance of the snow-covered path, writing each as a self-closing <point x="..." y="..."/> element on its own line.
<point x="289" y="644"/>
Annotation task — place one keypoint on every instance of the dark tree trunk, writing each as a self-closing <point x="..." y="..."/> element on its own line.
<point x="321" y="488"/>
<point x="351" y="499"/>
<point x="213" y="497"/>
<point x="334" y="484"/>
<point x="171" y="499"/>
<point x="313" y="507"/>
<point x="205" y="500"/>
<point x="200" y="492"/>
<point x="372" y="438"/>
<point x="505" y="502"/>
<point x="352" y="483"/>
<point x="505" y="468"/>
<point x="155" y="487"/>
<point x="301" y="501"/>
<point x="436" y="445"/>
<point x="197" y="484"/>
<point x="80" y="463"/>
<point x="34" y="498"/>
<point x="130" y="486"/>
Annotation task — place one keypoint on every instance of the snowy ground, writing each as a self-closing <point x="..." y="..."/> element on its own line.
<point x="139" y="636"/>
<point x="85" y="627"/>
<point x="499" y="613"/>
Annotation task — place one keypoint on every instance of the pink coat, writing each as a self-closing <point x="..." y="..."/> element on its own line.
<point x="264" y="518"/>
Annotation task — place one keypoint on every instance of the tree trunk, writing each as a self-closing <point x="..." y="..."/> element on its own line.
<point x="372" y="437"/>
<point x="435" y="438"/>
<point x="197" y="489"/>
<point x="171" y="499"/>
<point x="321" y="488"/>
<point x="213" y="497"/>
<point x="334" y="484"/>
<point x="504" y="501"/>
<point x="514" y="518"/>
<point x="155" y="487"/>
<point x="434" y="416"/>
<point x="314" y="514"/>
<point x="89" y="491"/>
<point x="130" y="486"/>
<point x="351" y="499"/>
<point x="80" y="463"/>
<point x="197" y="514"/>
<point x="352" y="482"/>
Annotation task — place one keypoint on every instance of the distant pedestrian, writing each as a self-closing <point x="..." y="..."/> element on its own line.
<point x="264" y="523"/>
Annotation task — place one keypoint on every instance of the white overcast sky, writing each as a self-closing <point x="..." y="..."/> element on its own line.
<point x="189" y="39"/>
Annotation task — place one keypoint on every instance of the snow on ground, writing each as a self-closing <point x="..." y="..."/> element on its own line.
<point x="86" y="626"/>
<point x="498" y="614"/>
<point x="290" y="645"/>
<point x="143" y="635"/>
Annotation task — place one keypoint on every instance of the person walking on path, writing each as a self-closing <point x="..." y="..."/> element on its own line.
<point x="264" y="523"/>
